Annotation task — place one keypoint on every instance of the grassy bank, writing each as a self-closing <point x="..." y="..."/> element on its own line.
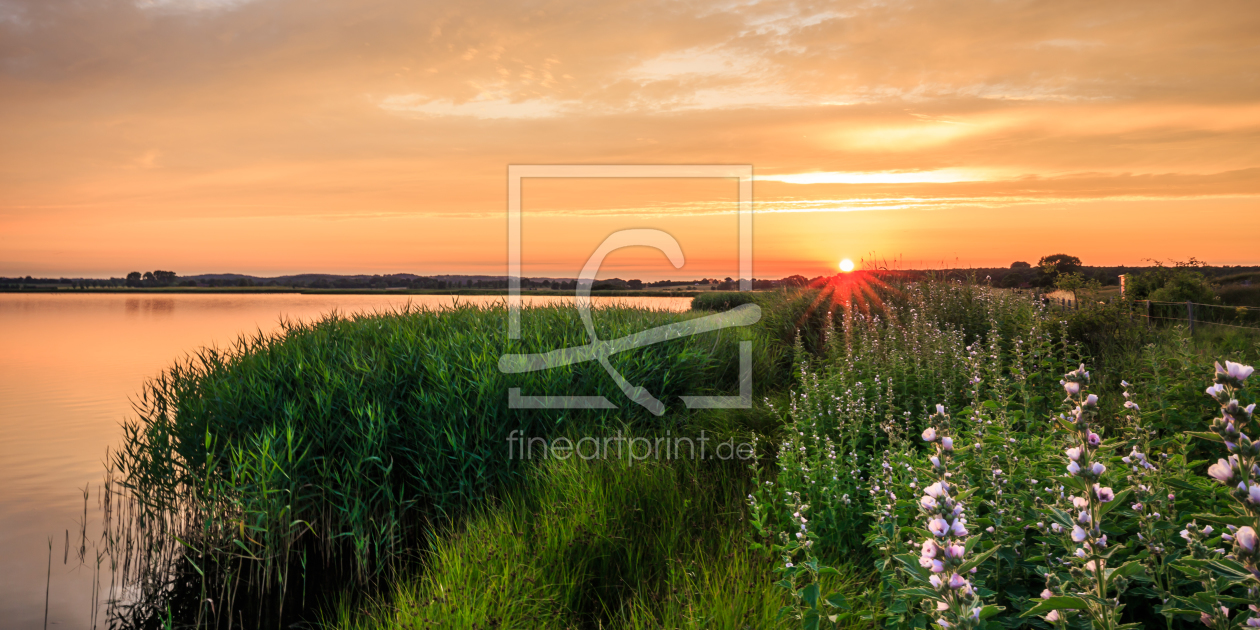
<point x="337" y="444"/>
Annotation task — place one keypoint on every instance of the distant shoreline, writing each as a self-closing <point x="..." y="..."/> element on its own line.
<point x="304" y="291"/>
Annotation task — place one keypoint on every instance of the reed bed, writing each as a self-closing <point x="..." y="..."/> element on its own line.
<point x="340" y="443"/>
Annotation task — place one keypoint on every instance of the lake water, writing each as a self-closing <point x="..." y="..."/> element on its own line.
<point x="69" y="365"/>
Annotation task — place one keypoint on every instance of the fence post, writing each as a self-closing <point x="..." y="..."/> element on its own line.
<point x="1148" y="313"/>
<point x="1190" y="316"/>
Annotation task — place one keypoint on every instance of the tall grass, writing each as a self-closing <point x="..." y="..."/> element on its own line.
<point x="336" y="443"/>
<point x="602" y="543"/>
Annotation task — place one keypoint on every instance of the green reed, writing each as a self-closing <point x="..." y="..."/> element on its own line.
<point x="337" y="442"/>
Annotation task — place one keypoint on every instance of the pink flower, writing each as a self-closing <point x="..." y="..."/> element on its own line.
<point x="927" y="502"/>
<point x="938" y="566"/>
<point x="1093" y="439"/>
<point x="1046" y="594"/>
<point x="936" y="581"/>
<point x="929" y="435"/>
<point x="1221" y="471"/>
<point x="938" y="527"/>
<point x="1090" y="401"/>
<point x="1072" y="388"/>
<point x="955" y="552"/>
<point x="1078" y="534"/>
<point x="959" y="527"/>
<point x="940" y="409"/>
<point x="1074" y="453"/>
<point x="947" y="443"/>
<point x="1216" y="391"/>
<point x="957" y="581"/>
<point x="1253" y="493"/>
<point x="937" y="490"/>
<point x="929" y="549"/>
<point x="1236" y="371"/>
<point x="1080" y="503"/>
<point x="1104" y="495"/>
<point x="1073" y="468"/>
<point x="1053" y="617"/>
<point x="1098" y="469"/>
<point x="1246" y="538"/>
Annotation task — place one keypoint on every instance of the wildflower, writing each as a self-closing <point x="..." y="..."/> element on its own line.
<point x="1093" y="439"/>
<point x="929" y="434"/>
<point x="1090" y="401"/>
<point x="1074" y="453"/>
<point x="1105" y="495"/>
<point x="1078" y="534"/>
<point x="1246" y="537"/>
<point x="1046" y="594"/>
<point x="947" y="443"/>
<point x="1129" y="404"/>
<point x="1053" y="617"/>
<point x="957" y="581"/>
<point x="1072" y="388"/>
<point x="938" y="527"/>
<point x="1098" y="469"/>
<point x="1233" y="373"/>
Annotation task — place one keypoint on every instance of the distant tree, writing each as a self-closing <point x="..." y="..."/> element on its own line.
<point x="794" y="281"/>
<point x="1056" y="264"/>
<point x="133" y="279"/>
<point x="635" y="284"/>
<point x="164" y="278"/>
<point x="1019" y="264"/>
<point x="1076" y="283"/>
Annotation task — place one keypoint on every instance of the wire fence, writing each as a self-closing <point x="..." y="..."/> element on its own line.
<point x="1190" y="313"/>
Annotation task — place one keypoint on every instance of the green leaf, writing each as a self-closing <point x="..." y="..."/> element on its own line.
<point x="990" y="610"/>
<point x="1206" y="435"/>
<point x="836" y="600"/>
<point x="1057" y="602"/>
<point x="1122" y="498"/>
<point x="1237" y="521"/>
<point x="810" y="595"/>
<point x="978" y="560"/>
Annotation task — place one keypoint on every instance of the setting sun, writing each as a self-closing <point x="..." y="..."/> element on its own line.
<point x="846" y="265"/>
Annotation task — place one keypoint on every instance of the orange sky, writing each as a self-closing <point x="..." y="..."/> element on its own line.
<point x="373" y="136"/>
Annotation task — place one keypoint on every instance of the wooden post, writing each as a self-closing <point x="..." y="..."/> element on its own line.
<point x="1148" y="313"/>
<point x="1190" y="316"/>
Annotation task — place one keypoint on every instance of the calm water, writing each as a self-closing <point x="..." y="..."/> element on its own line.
<point x="68" y="367"/>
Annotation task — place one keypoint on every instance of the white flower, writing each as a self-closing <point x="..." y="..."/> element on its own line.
<point x="1072" y="388"/>
<point x="1078" y="534"/>
<point x="1246" y="536"/>
<point x="947" y="443"/>
<point x="1236" y="371"/>
<point x="1074" y="453"/>
<point x="940" y="409"/>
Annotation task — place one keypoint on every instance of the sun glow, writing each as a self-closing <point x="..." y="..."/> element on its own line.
<point x="846" y="265"/>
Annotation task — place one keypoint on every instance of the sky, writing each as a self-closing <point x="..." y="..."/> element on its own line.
<point x="374" y="136"/>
